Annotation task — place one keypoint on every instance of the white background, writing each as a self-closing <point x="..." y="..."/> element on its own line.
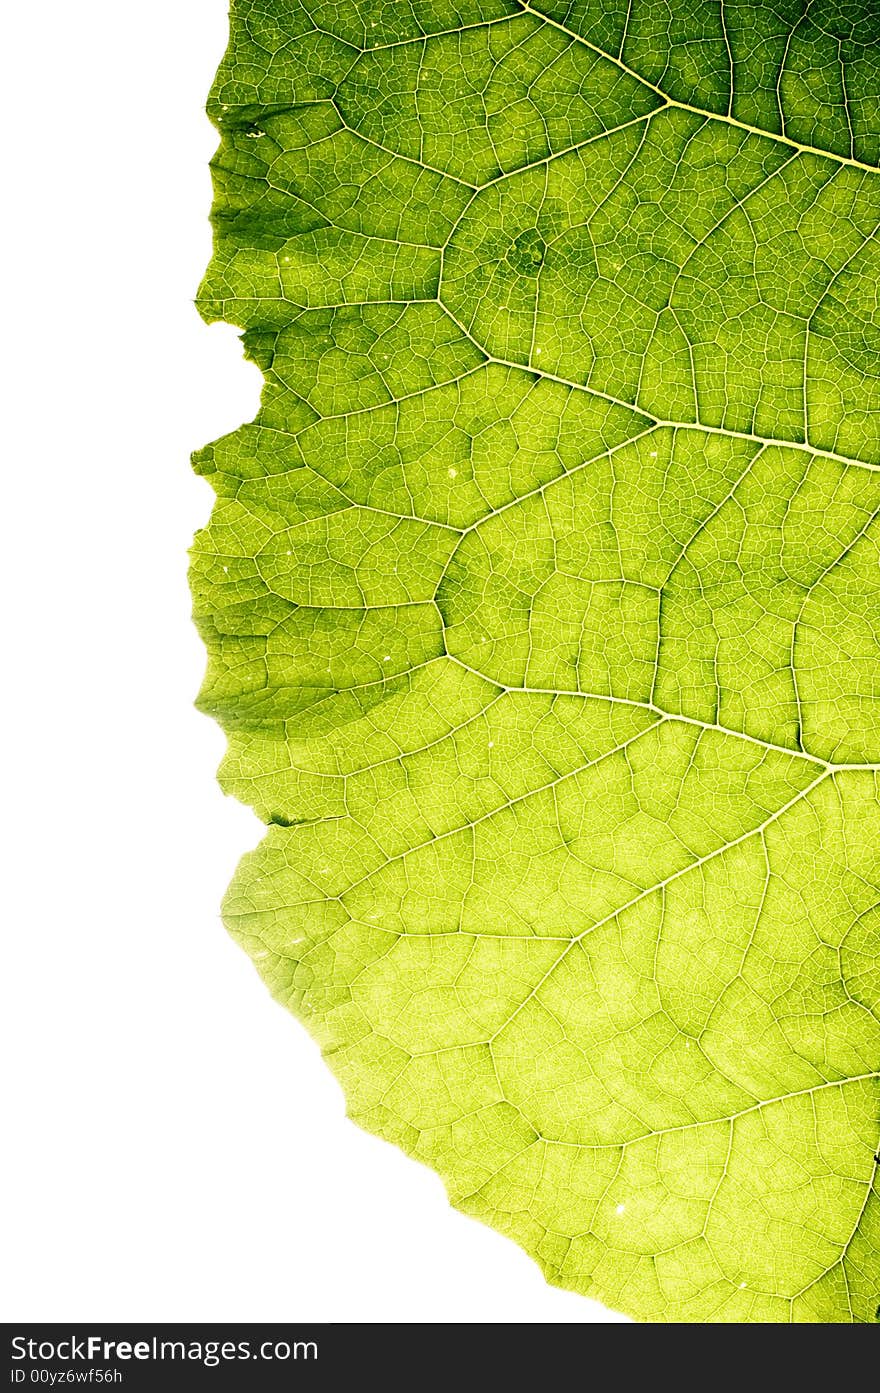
<point x="175" y="1147"/>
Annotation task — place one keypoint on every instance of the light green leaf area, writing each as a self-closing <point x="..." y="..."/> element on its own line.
<point x="543" y="608"/>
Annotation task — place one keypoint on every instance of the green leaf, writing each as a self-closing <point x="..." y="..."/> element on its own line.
<point x="542" y="601"/>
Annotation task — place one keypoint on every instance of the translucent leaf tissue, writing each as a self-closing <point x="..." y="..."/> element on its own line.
<point x="542" y="601"/>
